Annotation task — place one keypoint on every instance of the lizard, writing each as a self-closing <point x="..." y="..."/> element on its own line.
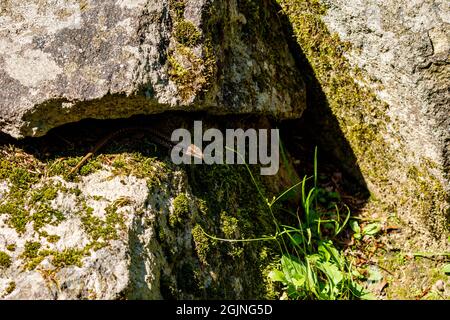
<point x="155" y="136"/>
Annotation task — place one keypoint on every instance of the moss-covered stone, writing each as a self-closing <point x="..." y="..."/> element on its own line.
<point x="417" y="195"/>
<point x="181" y="204"/>
<point x="102" y="229"/>
<point x="192" y="73"/>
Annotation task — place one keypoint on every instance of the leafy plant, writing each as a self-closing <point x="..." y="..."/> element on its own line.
<point x="446" y="269"/>
<point x="312" y="267"/>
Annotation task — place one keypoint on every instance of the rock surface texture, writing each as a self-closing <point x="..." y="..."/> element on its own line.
<point x="62" y="61"/>
<point x="405" y="51"/>
<point x="384" y="70"/>
<point x="133" y="229"/>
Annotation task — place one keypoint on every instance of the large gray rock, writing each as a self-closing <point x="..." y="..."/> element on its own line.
<point x="105" y="273"/>
<point x="131" y="225"/>
<point x="404" y="48"/>
<point x="62" y="61"/>
<point x="384" y="104"/>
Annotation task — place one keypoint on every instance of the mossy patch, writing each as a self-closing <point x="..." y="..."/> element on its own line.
<point x="102" y="229"/>
<point x="202" y="243"/>
<point x="235" y="211"/>
<point x="181" y="210"/>
<point x="23" y="203"/>
<point x="177" y="6"/>
<point x="31" y="249"/>
<point x="10" y="288"/>
<point x="192" y="73"/>
<point x="68" y="257"/>
<point x="186" y="33"/>
<point x="5" y="260"/>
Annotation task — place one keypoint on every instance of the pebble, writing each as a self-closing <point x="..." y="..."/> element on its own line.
<point x="440" y="285"/>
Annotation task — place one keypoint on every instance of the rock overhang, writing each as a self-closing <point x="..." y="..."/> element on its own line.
<point x="66" y="61"/>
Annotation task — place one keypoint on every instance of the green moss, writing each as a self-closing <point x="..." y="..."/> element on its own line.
<point x="5" y="260"/>
<point x="24" y="204"/>
<point x="191" y="73"/>
<point x="92" y="166"/>
<point x="53" y="238"/>
<point x="46" y="215"/>
<point x="31" y="250"/>
<point x="103" y="229"/>
<point x="31" y="264"/>
<point x="11" y="247"/>
<point x="181" y="210"/>
<point x="177" y="6"/>
<point x="11" y="287"/>
<point x="202" y="244"/>
<point x="17" y="216"/>
<point x="140" y="166"/>
<point x="186" y="33"/>
<point x="68" y="257"/>
<point x="230" y="228"/>
<point x="61" y="167"/>
<point x="45" y="193"/>
<point x="230" y="207"/>
<point x="33" y="256"/>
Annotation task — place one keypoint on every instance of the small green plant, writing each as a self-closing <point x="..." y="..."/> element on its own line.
<point x="369" y="230"/>
<point x="310" y="266"/>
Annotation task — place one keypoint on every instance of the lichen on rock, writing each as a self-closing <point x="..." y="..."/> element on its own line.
<point x="65" y="62"/>
<point x="394" y="140"/>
